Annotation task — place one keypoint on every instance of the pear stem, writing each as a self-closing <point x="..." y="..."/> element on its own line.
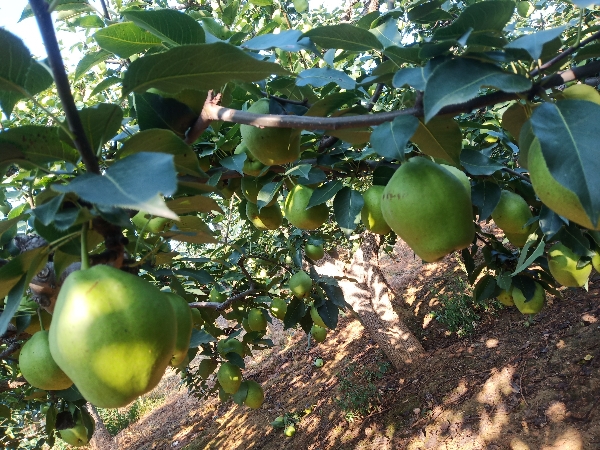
<point x="39" y="314"/>
<point x="85" y="260"/>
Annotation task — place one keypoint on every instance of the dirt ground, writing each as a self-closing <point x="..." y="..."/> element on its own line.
<point x="509" y="385"/>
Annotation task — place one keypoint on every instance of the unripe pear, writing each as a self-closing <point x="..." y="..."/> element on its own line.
<point x="183" y="314"/>
<point x="505" y="297"/>
<point x="300" y="284"/>
<point x="429" y="208"/>
<point x="582" y="92"/>
<point x="318" y="333"/>
<point x="554" y="195"/>
<point x="252" y="166"/>
<point x="230" y="377"/>
<point x="534" y="305"/>
<point x="256" y="320"/>
<point x="296" y="212"/>
<point x="76" y="436"/>
<point x="251" y="188"/>
<point x="216" y="296"/>
<point x="278" y="308"/>
<point x="270" y="146"/>
<point x="255" y="396"/>
<point x="371" y="214"/>
<point x="268" y="218"/>
<point x="512" y="213"/>
<point x="562" y="262"/>
<point x="38" y="367"/>
<point x="206" y="368"/>
<point x="314" y="252"/>
<point x="316" y="318"/>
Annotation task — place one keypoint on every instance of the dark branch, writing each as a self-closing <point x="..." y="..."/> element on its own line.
<point x="564" y="54"/>
<point x="105" y="10"/>
<point x="287" y="100"/>
<point x="226" y="303"/>
<point x="517" y="174"/>
<point x="44" y="20"/>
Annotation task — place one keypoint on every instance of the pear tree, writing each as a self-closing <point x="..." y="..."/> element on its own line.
<point x="174" y="191"/>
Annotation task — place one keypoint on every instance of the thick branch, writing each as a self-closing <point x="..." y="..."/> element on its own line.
<point x="44" y="20"/>
<point x="215" y="112"/>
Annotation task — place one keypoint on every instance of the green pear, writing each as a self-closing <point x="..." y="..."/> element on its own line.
<point x="251" y="188"/>
<point x="252" y="166"/>
<point x="318" y="333"/>
<point x="268" y="218"/>
<point x="371" y="214"/>
<point x="256" y="320"/>
<point x="183" y="314"/>
<point x="230" y="377"/>
<point x="270" y="146"/>
<point x="316" y="318"/>
<point x="255" y="396"/>
<point x="206" y="367"/>
<point x="429" y="208"/>
<point x="297" y="213"/>
<point x="506" y="298"/>
<point x="512" y="213"/>
<point x="278" y="308"/>
<point x="596" y="261"/>
<point x="300" y="284"/>
<point x="314" y="252"/>
<point x="216" y="296"/>
<point x="582" y="92"/>
<point x="534" y="305"/>
<point x="562" y="262"/>
<point x="113" y="334"/>
<point x="38" y="367"/>
<point x="524" y="8"/>
<point x="554" y="195"/>
<point x="76" y="436"/>
<point x="231" y="345"/>
<point x="462" y="177"/>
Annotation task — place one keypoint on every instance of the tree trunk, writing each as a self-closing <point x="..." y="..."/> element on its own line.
<point x="101" y="440"/>
<point x="370" y="300"/>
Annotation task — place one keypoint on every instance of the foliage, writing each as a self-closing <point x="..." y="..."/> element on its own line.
<point x="131" y="158"/>
<point x="116" y="420"/>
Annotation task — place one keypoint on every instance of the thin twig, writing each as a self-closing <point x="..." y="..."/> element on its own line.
<point x="10" y="350"/>
<point x="221" y="306"/>
<point x="105" y="10"/>
<point x="44" y="20"/>
<point x="516" y="174"/>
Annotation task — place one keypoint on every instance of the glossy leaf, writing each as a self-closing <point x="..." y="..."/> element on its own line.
<point x="38" y="79"/>
<point x="389" y="139"/>
<point x="134" y="182"/>
<point x="173" y="27"/>
<point x="347" y="206"/>
<point x="101" y="122"/>
<point x="403" y="55"/>
<point x="323" y="76"/>
<point x="459" y="80"/>
<point x="105" y="84"/>
<point x="155" y="111"/>
<point x="569" y="140"/>
<point x="234" y="162"/>
<point x="295" y="312"/>
<point x="125" y="39"/>
<point x="329" y="312"/>
<point x="289" y="41"/>
<point x="388" y="34"/>
<point x="440" y="138"/>
<point x="34" y="143"/>
<point x="185" y="66"/>
<point x="164" y="141"/>
<point x="90" y="60"/>
<point x="344" y="36"/>
<point x="485" y="195"/>
<point x="324" y="193"/>
<point x="534" y="43"/>
<point x="415" y="77"/>
<point x="15" y="59"/>
<point x="190" y="229"/>
<point x="476" y="163"/>
<point x="488" y="16"/>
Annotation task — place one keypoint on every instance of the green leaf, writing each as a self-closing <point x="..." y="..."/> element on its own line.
<point x="524" y="263"/>
<point x="568" y="136"/>
<point x="459" y="80"/>
<point x="101" y="122"/>
<point x="234" y="162"/>
<point x="484" y="288"/>
<point x="190" y="229"/>
<point x="482" y="17"/>
<point x="173" y="27"/>
<point x="323" y="76"/>
<point x="476" y="163"/>
<point x="185" y="66"/>
<point x="155" y="111"/>
<point x="295" y="312"/>
<point x="344" y="36"/>
<point x="105" y="84"/>
<point x="34" y="143"/>
<point x="241" y="394"/>
<point x="389" y="139"/>
<point x="485" y="195"/>
<point x="440" y="138"/>
<point x="428" y="12"/>
<point x="134" y="182"/>
<point x="15" y="59"/>
<point x="347" y="206"/>
<point x="387" y="33"/>
<point x="61" y="5"/>
<point x="330" y="103"/>
<point x="550" y="222"/>
<point x="415" y="77"/>
<point x="329" y="312"/>
<point x="534" y="43"/>
<point x="195" y="203"/>
<point x="90" y="60"/>
<point x="334" y="293"/>
<point x="289" y="41"/>
<point x="403" y="55"/>
<point x="324" y="193"/>
<point x="164" y="141"/>
<point x="125" y="39"/>
<point x="268" y="192"/>
<point x="91" y="21"/>
<point x="200" y="337"/>
<point x="38" y="79"/>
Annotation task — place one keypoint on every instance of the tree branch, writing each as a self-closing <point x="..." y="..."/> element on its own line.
<point x="203" y="121"/>
<point x="105" y="10"/>
<point x="44" y="20"/>
<point x="516" y="174"/>
<point x="221" y="306"/>
<point x="215" y="112"/>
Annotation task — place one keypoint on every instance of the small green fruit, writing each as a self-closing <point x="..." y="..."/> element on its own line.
<point x="278" y="308"/>
<point x="506" y="298"/>
<point x="512" y="213"/>
<point x="596" y="261"/>
<point x="270" y="146"/>
<point x="297" y="213"/>
<point x="76" y="436"/>
<point x="206" y="368"/>
<point x="256" y="395"/>
<point x="197" y="318"/>
<point x="268" y="218"/>
<point x="230" y="377"/>
<point x="183" y="315"/>
<point x="534" y="305"/>
<point x="225" y="346"/>
<point x="316" y="318"/>
<point x="252" y="166"/>
<point x="318" y="333"/>
<point x="251" y="188"/>
<point x="256" y="320"/>
<point x="38" y="367"/>
<point x="319" y="362"/>
<point x="300" y="284"/>
<point x="290" y="431"/>
<point x="429" y="208"/>
<point x="562" y="262"/>
<point x="216" y="296"/>
<point x="314" y="252"/>
<point x="371" y="214"/>
<point x="582" y="92"/>
<point x="524" y="8"/>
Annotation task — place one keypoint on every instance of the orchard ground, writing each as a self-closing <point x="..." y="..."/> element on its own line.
<point x="509" y="385"/>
